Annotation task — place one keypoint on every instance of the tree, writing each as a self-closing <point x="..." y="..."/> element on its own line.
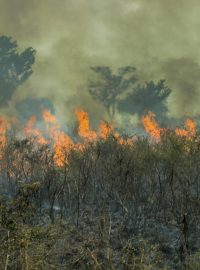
<point x="149" y="97"/>
<point x="15" y="68"/>
<point x="110" y="86"/>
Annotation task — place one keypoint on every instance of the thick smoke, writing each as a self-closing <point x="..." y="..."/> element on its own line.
<point x="159" y="38"/>
<point x="183" y="74"/>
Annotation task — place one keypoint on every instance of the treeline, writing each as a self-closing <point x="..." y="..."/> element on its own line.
<point x="117" y="91"/>
<point x="110" y="206"/>
<point x="120" y="92"/>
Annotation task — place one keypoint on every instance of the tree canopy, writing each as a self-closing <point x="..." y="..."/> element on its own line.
<point x="148" y="97"/>
<point x="110" y="86"/>
<point x="15" y="68"/>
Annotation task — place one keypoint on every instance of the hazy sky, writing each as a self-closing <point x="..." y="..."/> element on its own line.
<point x="161" y="38"/>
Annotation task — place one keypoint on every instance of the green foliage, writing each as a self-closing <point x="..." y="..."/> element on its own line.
<point x="15" y="68"/>
<point x="110" y="86"/>
<point x="149" y="97"/>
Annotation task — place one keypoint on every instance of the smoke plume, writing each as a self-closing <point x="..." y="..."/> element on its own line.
<point x="159" y="38"/>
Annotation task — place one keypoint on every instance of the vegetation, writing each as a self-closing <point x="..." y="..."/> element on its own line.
<point x="144" y="98"/>
<point x="110" y="206"/>
<point x="15" y="68"/>
<point x="107" y="89"/>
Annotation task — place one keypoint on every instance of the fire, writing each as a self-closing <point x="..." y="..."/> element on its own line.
<point x="153" y="129"/>
<point x="191" y="127"/>
<point x="151" y="126"/>
<point x="3" y="129"/>
<point x="49" y="117"/>
<point x="189" y="131"/>
<point x="31" y="130"/>
<point x="62" y="147"/>
<point x="105" y="130"/>
<point x="61" y="144"/>
<point x="52" y="126"/>
<point x="84" y="126"/>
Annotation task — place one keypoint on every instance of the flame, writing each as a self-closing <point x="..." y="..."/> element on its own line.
<point x="84" y="126"/>
<point x="52" y="126"/>
<point x="191" y="127"/>
<point x="49" y="117"/>
<point x="189" y="131"/>
<point x="105" y="130"/>
<point x="153" y="129"/>
<point x="30" y="130"/>
<point x="3" y="129"/>
<point x="151" y="126"/>
<point x="62" y="147"/>
<point x="62" y="143"/>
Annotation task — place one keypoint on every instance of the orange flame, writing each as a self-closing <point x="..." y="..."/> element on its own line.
<point x="53" y="128"/>
<point x="62" y="147"/>
<point x="49" y="117"/>
<point x="62" y="144"/>
<point x="151" y="126"/>
<point x="189" y="131"/>
<point x="84" y="126"/>
<point x="105" y="130"/>
<point x="3" y="129"/>
<point x="30" y="130"/>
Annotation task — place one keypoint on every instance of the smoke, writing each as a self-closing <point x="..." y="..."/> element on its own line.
<point x="159" y="38"/>
<point x="183" y="75"/>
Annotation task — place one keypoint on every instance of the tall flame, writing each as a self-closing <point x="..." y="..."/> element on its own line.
<point x="52" y="126"/>
<point x="62" y="147"/>
<point x="189" y="131"/>
<point x="3" y="128"/>
<point x="49" y="117"/>
<point x="84" y="130"/>
<point x="31" y="130"/>
<point x="105" y="130"/>
<point x="151" y="126"/>
<point x="62" y="144"/>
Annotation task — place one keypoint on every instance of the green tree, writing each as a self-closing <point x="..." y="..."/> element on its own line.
<point x="110" y="86"/>
<point x="149" y="97"/>
<point x="15" y="68"/>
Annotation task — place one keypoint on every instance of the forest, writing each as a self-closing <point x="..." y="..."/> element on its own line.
<point x="97" y="199"/>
